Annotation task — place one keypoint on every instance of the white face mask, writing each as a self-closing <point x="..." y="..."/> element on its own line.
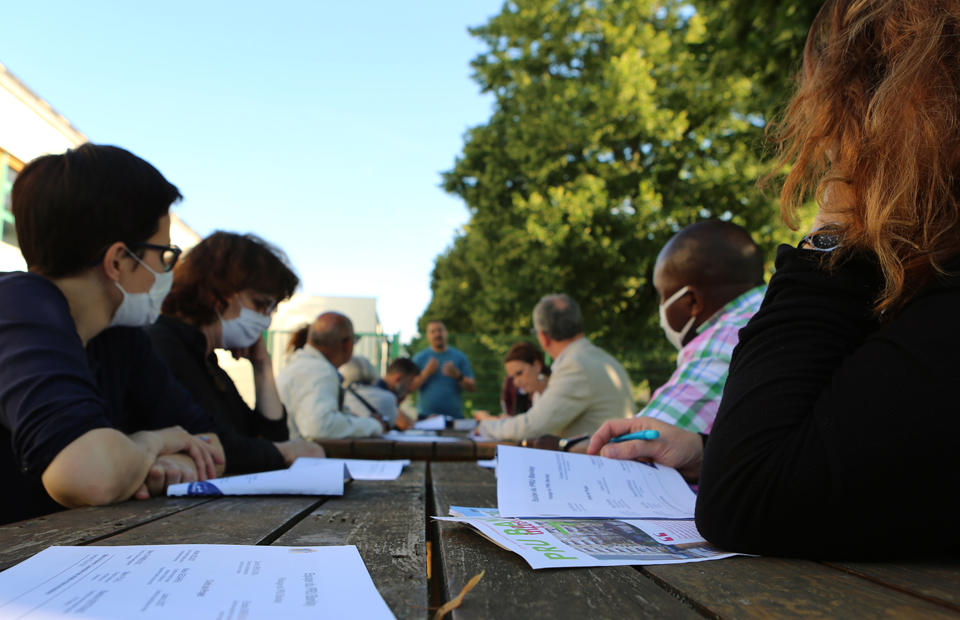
<point x="675" y="337"/>
<point x="243" y="331"/>
<point x="139" y="309"/>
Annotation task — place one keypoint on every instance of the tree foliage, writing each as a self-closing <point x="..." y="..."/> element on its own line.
<point x="616" y="123"/>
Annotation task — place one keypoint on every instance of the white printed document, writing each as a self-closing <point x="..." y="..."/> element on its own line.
<point x="543" y="483"/>
<point x="433" y="423"/>
<point x="165" y="582"/>
<point x="559" y="543"/>
<point x="324" y="478"/>
<point x="360" y="469"/>
<point x="419" y="437"/>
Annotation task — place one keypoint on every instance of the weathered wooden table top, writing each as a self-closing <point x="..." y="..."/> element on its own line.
<point x="466" y="449"/>
<point x="388" y="522"/>
<point x="731" y="588"/>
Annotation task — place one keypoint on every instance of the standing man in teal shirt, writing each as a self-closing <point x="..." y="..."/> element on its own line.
<point x="440" y="392"/>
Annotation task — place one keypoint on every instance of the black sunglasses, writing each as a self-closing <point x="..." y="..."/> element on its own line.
<point x="169" y="254"/>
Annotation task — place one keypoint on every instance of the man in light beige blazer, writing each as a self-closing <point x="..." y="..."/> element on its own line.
<point x="587" y="385"/>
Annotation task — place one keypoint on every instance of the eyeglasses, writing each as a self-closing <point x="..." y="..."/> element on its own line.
<point x="355" y="337"/>
<point x="264" y="304"/>
<point x="168" y="253"/>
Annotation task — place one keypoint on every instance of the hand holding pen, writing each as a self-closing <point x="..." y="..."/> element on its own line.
<point x="647" y="439"/>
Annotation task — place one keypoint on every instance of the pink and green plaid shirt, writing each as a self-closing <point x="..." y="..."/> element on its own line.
<point x="691" y="398"/>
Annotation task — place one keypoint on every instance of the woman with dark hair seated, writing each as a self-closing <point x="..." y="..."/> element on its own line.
<point x="838" y="427"/>
<point x="89" y="414"/>
<point x="526" y="369"/>
<point x="224" y="291"/>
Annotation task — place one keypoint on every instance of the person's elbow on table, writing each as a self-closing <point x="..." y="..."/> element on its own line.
<point x="104" y="466"/>
<point x="101" y="467"/>
<point x="677" y="448"/>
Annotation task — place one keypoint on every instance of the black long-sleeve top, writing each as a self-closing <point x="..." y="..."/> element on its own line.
<point x="837" y="439"/>
<point x="246" y="435"/>
<point x="53" y="390"/>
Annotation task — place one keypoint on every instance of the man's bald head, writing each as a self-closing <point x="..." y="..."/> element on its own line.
<point x="331" y="329"/>
<point x="712" y="254"/>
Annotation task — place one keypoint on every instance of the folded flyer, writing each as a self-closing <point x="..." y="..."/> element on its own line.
<point x="547" y="484"/>
<point x="558" y="543"/>
<point x="319" y="479"/>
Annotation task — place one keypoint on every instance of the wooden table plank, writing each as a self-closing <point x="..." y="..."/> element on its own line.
<point x="783" y="588"/>
<point x="19" y="541"/>
<point x="934" y="579"/>
<point x="224" y="521"/>
<point x="386" y="521"/>
<point x="510" y="588"/>
<point x="464" y="450"/>
<point x="413" y="450"/>
<point x="377" y="449"/>
<point x="486" y="450"/>
<point x="337" y="448"/>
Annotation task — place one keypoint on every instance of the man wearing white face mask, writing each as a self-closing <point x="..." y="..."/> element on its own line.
<point x="710" y="280"/>
<point x="89" y="414"/>
<point x="224" y="293"/>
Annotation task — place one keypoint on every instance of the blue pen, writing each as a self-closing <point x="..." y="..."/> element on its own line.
<point x="637" y="435"/>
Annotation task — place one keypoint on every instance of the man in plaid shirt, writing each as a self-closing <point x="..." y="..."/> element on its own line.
<point x="710" y="280"/>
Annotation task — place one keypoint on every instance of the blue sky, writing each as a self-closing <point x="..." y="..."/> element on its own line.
<point x="320" y="126"/>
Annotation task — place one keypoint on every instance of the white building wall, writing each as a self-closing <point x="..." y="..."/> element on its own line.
<point x="293" y="314"/>
<point x="29" y="126"/>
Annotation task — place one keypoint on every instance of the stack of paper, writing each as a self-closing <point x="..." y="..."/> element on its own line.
<point x="191" y="581"/>
<point x="418" y="436"/>
<point x="433" y="423"/>
<point x="360" y="469"/>
<point x="557" y="509"/>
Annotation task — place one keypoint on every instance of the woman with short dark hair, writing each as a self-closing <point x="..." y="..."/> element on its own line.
<point x="89" y="414"/>
<point x="225" y="290"/>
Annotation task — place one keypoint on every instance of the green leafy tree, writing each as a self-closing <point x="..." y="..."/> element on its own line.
<point x="616" y="123"/>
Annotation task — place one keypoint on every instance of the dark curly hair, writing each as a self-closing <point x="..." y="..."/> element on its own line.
<point x="221" y="266"/>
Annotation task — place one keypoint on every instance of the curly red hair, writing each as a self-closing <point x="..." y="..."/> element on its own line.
<point x="219" y="267"/>
<point x="879" y="95"/>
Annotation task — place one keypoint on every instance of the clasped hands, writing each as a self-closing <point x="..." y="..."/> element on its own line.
<point x="449" y="369"/>
<point x="182" y="458"/>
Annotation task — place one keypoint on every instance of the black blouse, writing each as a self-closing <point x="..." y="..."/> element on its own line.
<point x="246" y="435"/>
<point x="836" y="438"/>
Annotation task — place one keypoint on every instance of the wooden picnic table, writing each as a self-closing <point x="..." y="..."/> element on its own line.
<point x="388" y="522"/>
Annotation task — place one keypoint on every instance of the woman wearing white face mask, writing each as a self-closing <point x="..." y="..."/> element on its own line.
<point x="224" y="293"/>
<point x="91" y="415"/>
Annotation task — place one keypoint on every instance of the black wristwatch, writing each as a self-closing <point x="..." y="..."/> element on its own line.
<point x="566" y="444"/>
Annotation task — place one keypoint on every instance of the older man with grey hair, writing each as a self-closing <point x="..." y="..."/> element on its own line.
<point x="587" y="385"/>
<point x="309" y="385"/>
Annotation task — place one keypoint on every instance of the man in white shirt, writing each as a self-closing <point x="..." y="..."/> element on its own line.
<point x="310" y="387"/>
